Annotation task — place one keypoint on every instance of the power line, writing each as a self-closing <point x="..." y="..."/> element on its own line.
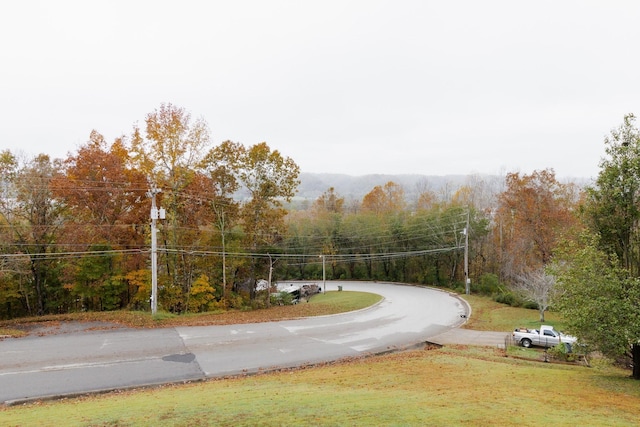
<point x="71" y="255"/>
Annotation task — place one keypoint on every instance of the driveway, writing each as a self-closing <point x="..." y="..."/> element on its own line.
<point x="471" y="337"/>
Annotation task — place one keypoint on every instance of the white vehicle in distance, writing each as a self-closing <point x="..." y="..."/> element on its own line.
<point x="546" y="337"/>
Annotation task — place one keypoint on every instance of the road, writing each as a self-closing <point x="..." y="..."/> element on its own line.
<point x="76" y="363"/>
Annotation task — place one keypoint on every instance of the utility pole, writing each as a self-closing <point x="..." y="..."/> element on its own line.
<point x="324" y="276"/>
<point x="268" y="301"/>
<point x="155" y="214"/>
<point x="467" y="281"/>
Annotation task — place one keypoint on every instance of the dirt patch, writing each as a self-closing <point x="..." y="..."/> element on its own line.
<point x="64" y="327"/>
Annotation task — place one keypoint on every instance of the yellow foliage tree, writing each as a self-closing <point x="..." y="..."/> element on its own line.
<point x="202" y="294"/>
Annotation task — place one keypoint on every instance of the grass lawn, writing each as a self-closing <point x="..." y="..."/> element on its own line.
<point x="488" y="315"/>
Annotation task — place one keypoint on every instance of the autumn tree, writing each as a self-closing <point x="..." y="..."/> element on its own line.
<point x="103" y="192"/>
<point x="533" y="213"/>
<point x="384" y="199"/>
<point x="384" y="205"/>
<point x="329" y="201"/>
<point x="426" y="200"/>
<point x="169" y="155"/>
<point x="106" y="207"/>
<point x="426" y="197"/>
<point x="172" y="147"/>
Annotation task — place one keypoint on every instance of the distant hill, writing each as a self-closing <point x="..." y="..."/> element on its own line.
<point x="350" y="187"/>
<point x="312" y="185"/>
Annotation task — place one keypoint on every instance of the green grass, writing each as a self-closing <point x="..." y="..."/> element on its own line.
<point x="340" y="302"/>
<point x="488" y="315"/>
<point x="533" y="353"/>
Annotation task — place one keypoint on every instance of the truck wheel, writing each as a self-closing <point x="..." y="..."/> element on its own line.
<point x="526" y="343"/>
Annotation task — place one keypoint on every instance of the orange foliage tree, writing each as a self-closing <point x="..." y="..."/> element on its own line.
<point x="384" y="199"/>
<point x="106" y="215"/>
<point x="533" y="213"/>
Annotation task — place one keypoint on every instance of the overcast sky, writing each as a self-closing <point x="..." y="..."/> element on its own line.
<point x="354" y="87"/>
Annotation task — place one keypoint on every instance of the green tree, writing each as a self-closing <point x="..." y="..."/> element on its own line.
<point x="96" y="282"/>
<point x="14" y="268"/>
<point x="34" y="218"/>
<point x="440" y="230"/>
<point x="270" y="179"/>
<point x="222" y="165"/>
<point x="303" y="239"/>
<point x="612" y="206"/>
<point x="599" y="300"/>
<point x="328" y="212"/>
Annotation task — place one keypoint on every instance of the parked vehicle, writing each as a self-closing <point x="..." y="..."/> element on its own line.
<point x="545" y="337"/>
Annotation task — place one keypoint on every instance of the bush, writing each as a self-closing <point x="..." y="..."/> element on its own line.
<point x="506" y="298"/>
<point x="514" y="300"/>
<point x="282" y="298"/>
<point x="562" y="352"/>
<point x="459" y="288"/>
<point x="258" y="304"/>
<point x="488" y="284"/>
<point x="234" y="300"/>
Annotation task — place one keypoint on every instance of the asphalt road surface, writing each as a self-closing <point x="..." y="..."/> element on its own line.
<point x="74" y="363"/>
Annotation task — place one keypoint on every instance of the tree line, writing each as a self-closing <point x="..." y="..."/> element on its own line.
<point x="75" y="232"/>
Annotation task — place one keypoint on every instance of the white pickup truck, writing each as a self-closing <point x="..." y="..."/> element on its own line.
<point x="545" y="337"/>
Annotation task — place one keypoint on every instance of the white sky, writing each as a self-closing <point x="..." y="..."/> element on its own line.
<point x="356" y="87"/>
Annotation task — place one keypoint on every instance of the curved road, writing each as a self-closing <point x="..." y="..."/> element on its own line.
<point x="74" y="363"/>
